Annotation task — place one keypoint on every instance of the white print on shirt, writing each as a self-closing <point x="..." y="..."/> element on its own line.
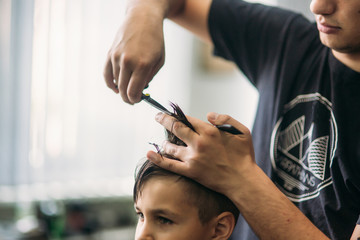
<point x="303" y="145"/>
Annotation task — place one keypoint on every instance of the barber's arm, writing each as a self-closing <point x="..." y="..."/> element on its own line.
<point x="225" y="163"/>
<point x="137" y="52"/>
<point x="356" y="233"/>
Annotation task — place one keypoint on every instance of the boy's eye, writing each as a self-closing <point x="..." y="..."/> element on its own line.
<point x="163" y="220"/>
<point x="140" y="215"/>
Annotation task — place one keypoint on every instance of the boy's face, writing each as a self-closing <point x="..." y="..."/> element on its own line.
<point x="165" y="212"/>
<point x="338" y="23"/>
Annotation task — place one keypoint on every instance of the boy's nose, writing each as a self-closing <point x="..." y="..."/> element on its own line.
<point x="323" y="7"/>
<point x="143" y="232"/>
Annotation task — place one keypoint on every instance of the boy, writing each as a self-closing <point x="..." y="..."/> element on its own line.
<point x="173" y="207"/>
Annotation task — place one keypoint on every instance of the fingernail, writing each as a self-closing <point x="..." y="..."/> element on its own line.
<point x="213" y="116"/>
<point x="158" y="116"/>
<point x="163" y="146"/>
<point x="152" y="157"/>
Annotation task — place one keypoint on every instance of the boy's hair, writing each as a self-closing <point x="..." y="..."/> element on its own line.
<point x="208" y="202"/>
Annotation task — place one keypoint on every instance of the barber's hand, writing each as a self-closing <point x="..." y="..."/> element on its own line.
<point x="213" y="158"/>
<point x="137" y="53"/>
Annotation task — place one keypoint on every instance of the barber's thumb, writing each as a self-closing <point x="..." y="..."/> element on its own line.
<point x="217" y="119"/>
<point x="221" y="119"/>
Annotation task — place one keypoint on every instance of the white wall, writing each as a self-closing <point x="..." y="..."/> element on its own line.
<point x="302" y="6"/>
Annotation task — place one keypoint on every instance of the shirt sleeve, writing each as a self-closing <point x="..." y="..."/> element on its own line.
<point x="254" y="36"/>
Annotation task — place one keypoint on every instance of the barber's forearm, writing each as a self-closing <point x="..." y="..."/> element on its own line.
<point x="193" y="15"/>
<point x="269" y="212"/>
<point x="190" y="14"/>
<point x="162" y="8"/>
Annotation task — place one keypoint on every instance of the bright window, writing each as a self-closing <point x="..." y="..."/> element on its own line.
<point x="83" y="140"/>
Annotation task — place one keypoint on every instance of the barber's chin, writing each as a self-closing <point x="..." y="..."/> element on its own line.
<point x="346" y="49"/>
<point x="326" y="41"/>
<point x="330" y="42"/>
<point x="338" y="44"/>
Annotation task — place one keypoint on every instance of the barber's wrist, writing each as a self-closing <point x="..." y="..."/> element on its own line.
<point x="160" y="8"/>
<point x="247" y="178"/>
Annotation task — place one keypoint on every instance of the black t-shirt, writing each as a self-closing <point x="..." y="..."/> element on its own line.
<point x="307" y="128"/>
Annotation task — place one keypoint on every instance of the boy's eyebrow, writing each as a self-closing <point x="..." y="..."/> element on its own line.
<point x="164" y="212"/>
<point x="160" y="211"/>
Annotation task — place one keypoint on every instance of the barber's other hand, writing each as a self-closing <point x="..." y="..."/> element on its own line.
<point x="216" y="159"/>
<point x="137" y="52"/>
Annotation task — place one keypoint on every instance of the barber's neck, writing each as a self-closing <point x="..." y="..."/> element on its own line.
<point x="352" y="60"/>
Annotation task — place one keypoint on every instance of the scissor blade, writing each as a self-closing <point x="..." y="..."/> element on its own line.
<point x="155" y="104"/>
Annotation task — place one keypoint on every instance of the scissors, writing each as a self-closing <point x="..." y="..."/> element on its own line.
<point x="225" y="127"/>
<point x="155" y="104"/>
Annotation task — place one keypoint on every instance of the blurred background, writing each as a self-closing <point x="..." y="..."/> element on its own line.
<point x="69" y="146"/>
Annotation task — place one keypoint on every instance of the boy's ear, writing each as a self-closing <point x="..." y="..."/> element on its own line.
<point x="224" y="226"/>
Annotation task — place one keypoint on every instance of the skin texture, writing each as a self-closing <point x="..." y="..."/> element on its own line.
<point x="356" y="233"/>
<point x="165" y="213"/>
<point x="234" y="171"/>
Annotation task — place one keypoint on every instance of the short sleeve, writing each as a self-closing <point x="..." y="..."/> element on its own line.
<point x="256" y="37"/>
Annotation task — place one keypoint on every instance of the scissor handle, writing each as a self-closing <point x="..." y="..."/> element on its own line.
<point x="145" y="96"/>
<point x="228" y="128"/>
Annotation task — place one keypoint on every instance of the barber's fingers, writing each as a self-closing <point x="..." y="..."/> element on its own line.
<point x="175" y="151"/>
<point x="139" y="80"/>
<point x="143" y="73"/>
<point x="220" y="119"/>
<point x="109" y="77"/>
<point x="115" y="63"/>
<point x="124" y="79"/>
<point x="158" y="65"/>
<point x="134" y="77"/>
<point x="176" y="127"/>
<point x="132" y="82"/>
<point x="172" y="165"/>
